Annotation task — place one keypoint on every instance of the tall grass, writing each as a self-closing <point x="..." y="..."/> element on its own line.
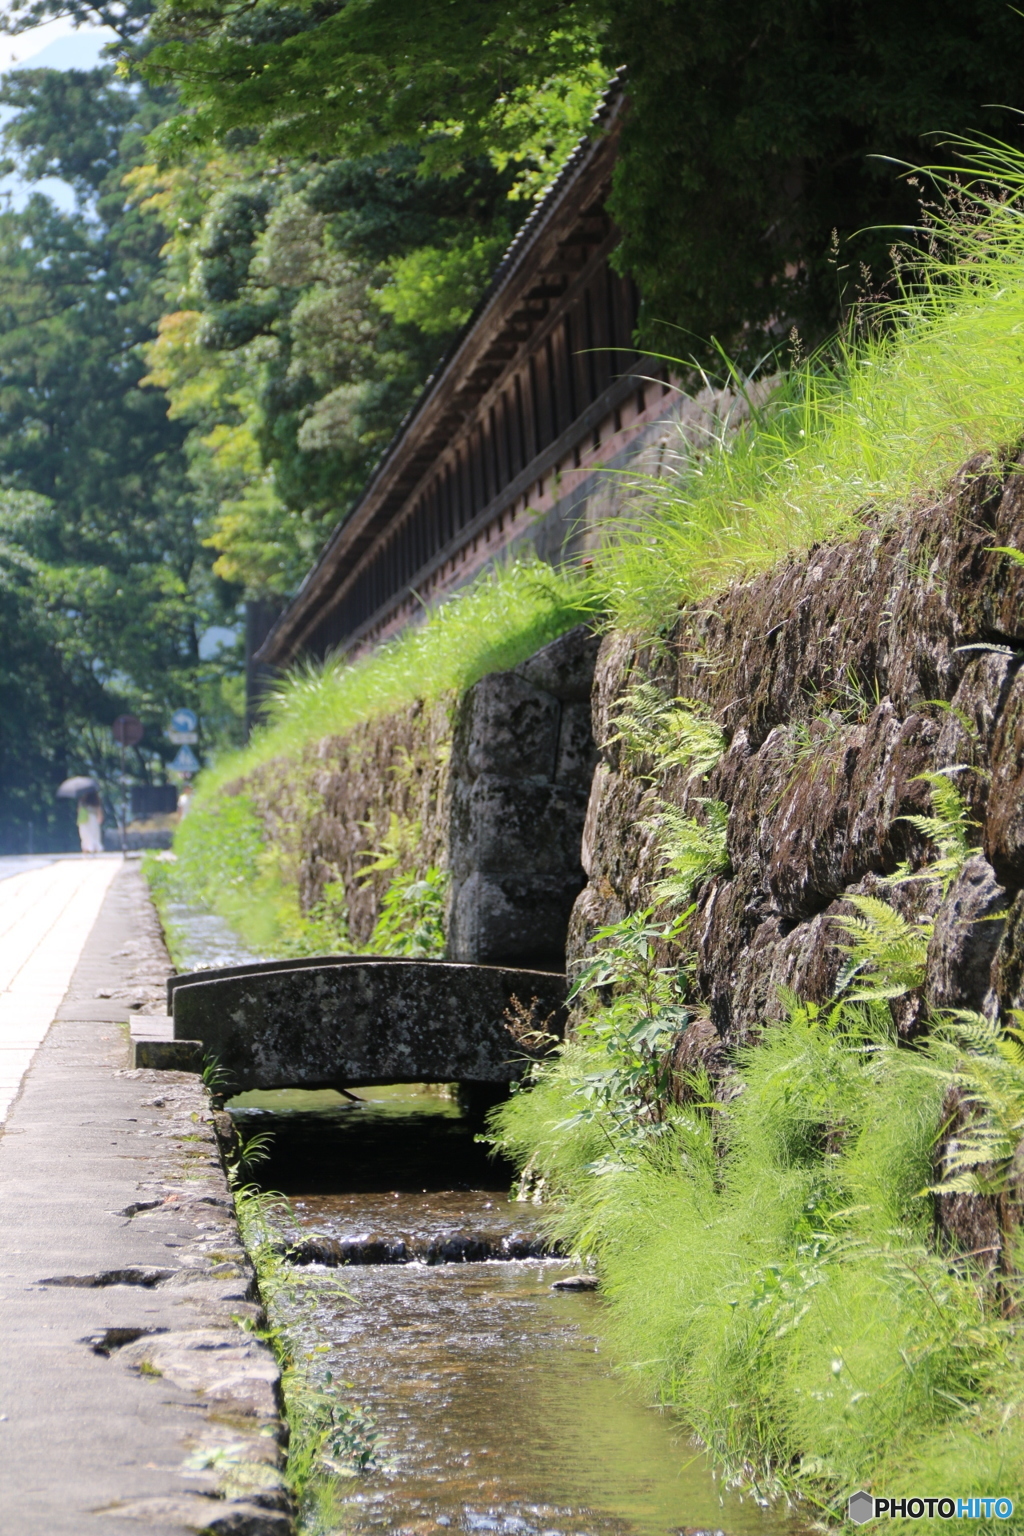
<point x="770" y="1271"/>
<point x="498" y="621"/>
<point x="877" y="421"/>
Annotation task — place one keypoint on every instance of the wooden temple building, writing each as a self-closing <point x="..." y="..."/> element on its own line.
<point x="508" y="444"/>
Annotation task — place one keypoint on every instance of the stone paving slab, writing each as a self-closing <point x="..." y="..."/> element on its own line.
<point x="46" y="914"/>
<point x="131" y="1396"/>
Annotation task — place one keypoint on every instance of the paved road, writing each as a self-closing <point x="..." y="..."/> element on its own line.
<point x="18" y="863"/>
<point x="46" y="914"/>
<point x="112" y="1184"/>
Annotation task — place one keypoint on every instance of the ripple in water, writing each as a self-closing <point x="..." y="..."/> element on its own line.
<point x="498" y="1405"/>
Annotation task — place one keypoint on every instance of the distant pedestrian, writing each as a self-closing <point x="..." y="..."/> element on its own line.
<point x="90" y="822"/>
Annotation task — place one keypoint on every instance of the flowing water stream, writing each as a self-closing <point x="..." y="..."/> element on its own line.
<point x="497" y="1403"/>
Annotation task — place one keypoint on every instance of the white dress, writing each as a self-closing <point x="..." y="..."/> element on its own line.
<point x="90" y="834"/>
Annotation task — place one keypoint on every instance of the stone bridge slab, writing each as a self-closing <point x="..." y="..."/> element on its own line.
<point x="268" y="967"/>
<point x="343" y="1024"/>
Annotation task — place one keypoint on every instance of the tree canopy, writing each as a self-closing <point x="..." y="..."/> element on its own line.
<point x="105" y="587"/>
<point x="755" y="130"/>
<point x="314" y="301"/>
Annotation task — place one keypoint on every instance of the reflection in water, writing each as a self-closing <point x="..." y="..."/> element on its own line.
<point x="385" y="1139"/>
<point x="496" y="1401"/>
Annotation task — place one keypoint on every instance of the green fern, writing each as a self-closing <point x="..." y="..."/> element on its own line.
<point x="399" y="844"/>
<point x="1016" y="555"/>
<point x="887" y="952"/>
<point x="982" y="1159"/>
<point x="691" y="851"/>
<point x="670" y="733"/>
<point x="948" y="828"/>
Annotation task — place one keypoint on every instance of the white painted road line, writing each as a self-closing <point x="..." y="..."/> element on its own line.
<point x="46" y="915"/>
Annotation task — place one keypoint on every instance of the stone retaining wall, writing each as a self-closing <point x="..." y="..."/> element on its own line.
<point x="522" y="761"/>
<point x="838" y="679"/>
<point x="491" y="785"/>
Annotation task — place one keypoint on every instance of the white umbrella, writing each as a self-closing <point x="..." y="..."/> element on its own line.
<point x="72" y="788"/>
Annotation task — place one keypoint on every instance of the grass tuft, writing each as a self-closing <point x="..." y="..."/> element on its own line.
<point x="498" y="621"/>
<point x="770" y="1270"/>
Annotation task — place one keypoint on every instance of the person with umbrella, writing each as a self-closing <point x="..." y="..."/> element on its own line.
<point x="90" y="811"/>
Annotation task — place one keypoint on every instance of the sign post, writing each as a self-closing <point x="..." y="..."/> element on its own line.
<point x="183" y="731"/>
<point x="127" y="731"/>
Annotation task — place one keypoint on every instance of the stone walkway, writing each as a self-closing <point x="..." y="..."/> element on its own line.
<point x="46" y="915"/>
<point x="131" y="1396"/>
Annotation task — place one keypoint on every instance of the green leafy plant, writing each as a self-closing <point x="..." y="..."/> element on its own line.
<point x="887" y="952"/>
<point x="986" y="1155"/>
<point x="666" y="733"/>
<point x="252" y="1151"/>
<point x="411" y="920"/>
<point x="948" y="828"/>
<point x="691" y="850"/>
<point x="215" y="1076"/>
<point x="636" y="1011"/>
<point x="767" y="1259"/>
<point x="350" y="1434"/>
<point x="396" y="845"/>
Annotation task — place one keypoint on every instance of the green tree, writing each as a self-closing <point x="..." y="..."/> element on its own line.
<point x="105" y="567"/>
<point x="315" y="301"/>
<point x="757" y="130"/>
<point x="754" y="130"/>
<point x="39" y="691"/>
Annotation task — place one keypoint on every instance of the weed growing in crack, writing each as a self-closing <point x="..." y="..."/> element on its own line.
<point x="887" y="952"/>
<point x="658" y="734"/>
<point x="948" y="829"/>
<point x="692" y="851"/>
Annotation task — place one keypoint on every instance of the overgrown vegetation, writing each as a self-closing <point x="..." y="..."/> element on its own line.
<point x="226" y="864"/>
<point x="878" y="421"/>
<point x="765" y="1231"/>
<point x="726" y="208"/>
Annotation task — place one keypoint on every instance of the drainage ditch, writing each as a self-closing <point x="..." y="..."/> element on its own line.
<point x="479" y="1353"/>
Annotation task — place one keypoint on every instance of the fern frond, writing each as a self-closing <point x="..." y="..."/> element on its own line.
<point x="968" y="1028"/>
<point x="989" y="1077"/>
<point x="671" y="733"/>
<point x="884" y="945"/>
<point x="948" y="828"/>
<point x="691" y="851"/>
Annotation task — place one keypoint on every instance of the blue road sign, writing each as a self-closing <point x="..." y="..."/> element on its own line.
<point x="184" y="720"/>
<point x="185" y="761"/>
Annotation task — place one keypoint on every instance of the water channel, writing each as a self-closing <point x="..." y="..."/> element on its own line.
<point x="497" y="1405"/>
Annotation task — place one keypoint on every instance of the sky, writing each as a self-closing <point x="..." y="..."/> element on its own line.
<point x="56" y="45"/>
